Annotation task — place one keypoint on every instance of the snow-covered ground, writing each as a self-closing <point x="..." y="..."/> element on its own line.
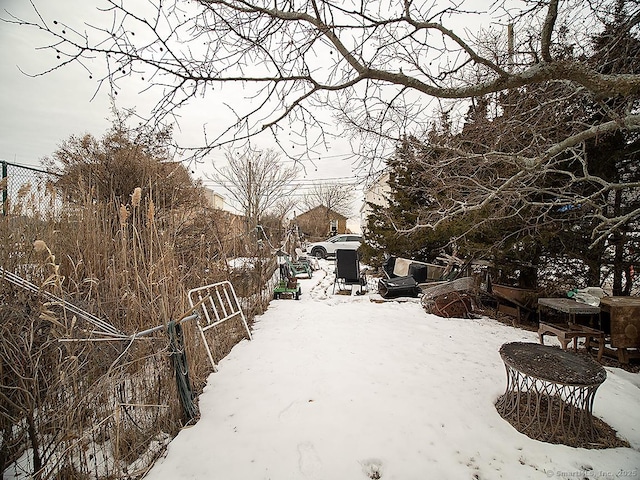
<point x="338" y="387"/>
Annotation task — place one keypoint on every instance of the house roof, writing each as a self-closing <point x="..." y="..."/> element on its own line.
<point x="324" y="210"/>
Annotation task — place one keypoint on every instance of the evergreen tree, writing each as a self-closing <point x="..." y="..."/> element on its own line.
<point x="534" y="230"/>
<point x="390" y="230"/>
<point x="615" y="156"/>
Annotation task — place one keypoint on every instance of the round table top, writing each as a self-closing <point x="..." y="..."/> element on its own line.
<point x="552" y="364"/>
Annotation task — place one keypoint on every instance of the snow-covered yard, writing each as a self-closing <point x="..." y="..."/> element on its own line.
<point x="338" y="387"/>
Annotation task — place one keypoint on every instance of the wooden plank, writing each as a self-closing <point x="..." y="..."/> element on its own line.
<point x="509" y="310"/>
<point x="523" y="297"/>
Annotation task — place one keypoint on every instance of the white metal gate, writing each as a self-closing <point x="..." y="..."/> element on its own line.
<point x="218" y="303"/>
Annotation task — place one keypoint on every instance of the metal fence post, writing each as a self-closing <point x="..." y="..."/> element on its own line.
<point x="4" y="187"/>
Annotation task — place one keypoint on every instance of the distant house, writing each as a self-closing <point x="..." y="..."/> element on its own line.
<point x="214" y="200"/>
<point x="320" y="222"/>
<point x="377" y="194"/>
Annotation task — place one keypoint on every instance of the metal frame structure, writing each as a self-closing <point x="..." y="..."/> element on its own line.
<point x="219" y="303"/>
<point x="103" y="327"/>
<point x="550" y="393"/>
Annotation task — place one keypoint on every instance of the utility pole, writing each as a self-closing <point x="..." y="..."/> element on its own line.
<point x="510" y="46"/>
<point x="250" y="211"/>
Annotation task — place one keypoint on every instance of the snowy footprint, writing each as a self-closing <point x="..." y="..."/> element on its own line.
<point x="372" y="468"/>
<point x="309" y="462"/>
<point x="320" y="290"/>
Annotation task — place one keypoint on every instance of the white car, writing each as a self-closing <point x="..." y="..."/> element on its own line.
<point x="329" y="246"/>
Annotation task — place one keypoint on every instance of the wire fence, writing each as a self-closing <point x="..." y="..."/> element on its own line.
<point x="28" y="191"/>
<point x="77" y="408"/>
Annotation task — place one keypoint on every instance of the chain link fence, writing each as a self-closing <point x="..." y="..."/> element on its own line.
<point x="28" y="191"/>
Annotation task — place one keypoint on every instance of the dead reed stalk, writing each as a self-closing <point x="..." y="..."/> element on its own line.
<point x="130" y="265"/>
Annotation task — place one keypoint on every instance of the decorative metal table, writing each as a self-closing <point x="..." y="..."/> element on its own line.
<point x="550" y="392"/>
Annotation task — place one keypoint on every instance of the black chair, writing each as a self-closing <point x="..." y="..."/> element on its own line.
<point x="348" y="271"/>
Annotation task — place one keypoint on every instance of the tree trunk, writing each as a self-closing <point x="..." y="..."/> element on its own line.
<point x="618" y="241"/>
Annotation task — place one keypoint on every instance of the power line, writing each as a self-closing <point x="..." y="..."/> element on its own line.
<point x="303" y="181"/>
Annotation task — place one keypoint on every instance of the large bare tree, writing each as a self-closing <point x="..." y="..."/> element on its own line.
<point x="375" y="65"/>
<point x="257" y="180"/>
<point x="336" y="197"/>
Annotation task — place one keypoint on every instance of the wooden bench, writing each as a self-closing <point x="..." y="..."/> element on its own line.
<point x="572" y="332"/>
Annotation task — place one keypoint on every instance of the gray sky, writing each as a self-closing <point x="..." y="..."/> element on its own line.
<point x="38" y="113"/>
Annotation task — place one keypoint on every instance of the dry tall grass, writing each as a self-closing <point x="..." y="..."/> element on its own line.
<point x="73" y="408"/>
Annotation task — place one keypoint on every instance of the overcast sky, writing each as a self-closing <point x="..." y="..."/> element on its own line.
<point x="38" y="113"/>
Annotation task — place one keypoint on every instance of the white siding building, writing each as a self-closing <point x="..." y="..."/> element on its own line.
<point x="215" y="200"/>
<point x="377" y="193"/>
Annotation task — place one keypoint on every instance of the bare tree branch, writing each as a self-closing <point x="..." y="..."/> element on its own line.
<point x="306" y="53"/>
<point x="377" y="67"/>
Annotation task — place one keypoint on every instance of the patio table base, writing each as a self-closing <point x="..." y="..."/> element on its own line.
<point x="550" y="393"/>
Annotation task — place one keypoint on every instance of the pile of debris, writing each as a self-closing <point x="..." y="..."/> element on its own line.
<point x="457" y="298"/>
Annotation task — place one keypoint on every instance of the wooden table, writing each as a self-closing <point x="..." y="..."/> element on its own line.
<point x="571" y="331"/>
<point x="550" y="393"/>
<point x="568" y="306"/>
<point x="623" y="324"/>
